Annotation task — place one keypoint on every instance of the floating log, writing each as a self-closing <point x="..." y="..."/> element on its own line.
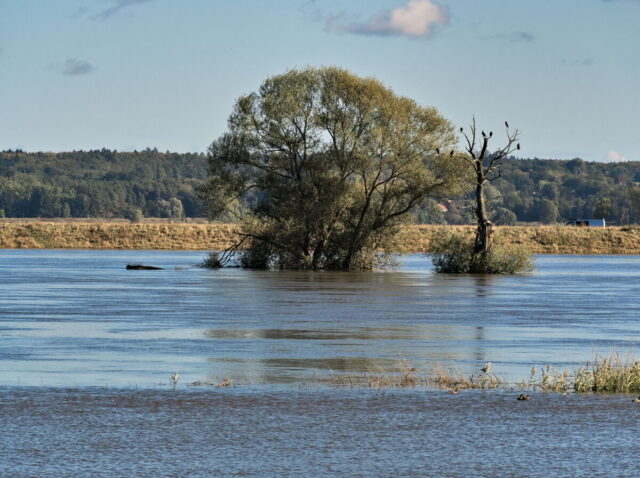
<point x="141" y="267"/>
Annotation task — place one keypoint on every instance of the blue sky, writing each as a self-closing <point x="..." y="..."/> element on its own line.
<point x="130" y="74"/>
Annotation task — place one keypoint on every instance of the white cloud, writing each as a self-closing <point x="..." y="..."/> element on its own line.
<point x="415" y="19"/>
<point x="614" y="157"/>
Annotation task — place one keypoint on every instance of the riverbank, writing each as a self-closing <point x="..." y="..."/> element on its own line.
<point x="95" y="234"/>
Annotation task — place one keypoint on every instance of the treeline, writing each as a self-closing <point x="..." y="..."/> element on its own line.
<point x="101" y="183"/>
<point x="550" y="191"/>
<point x="105" y="183"/>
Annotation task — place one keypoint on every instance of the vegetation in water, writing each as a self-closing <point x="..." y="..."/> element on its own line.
<point x="337" y="164"/>
<point x="611" y="374"/>
<point x="212" y="261"/>
<point x="453" y="252"/>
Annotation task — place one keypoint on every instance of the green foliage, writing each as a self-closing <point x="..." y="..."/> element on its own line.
<point x="602" y="208"/>
<point x="504" y="217"/>
<point x="430" y="213"/>
<point x="452" y="252"/>
<point x="133" y="214"/>
<point x="547" y="211"/>
<point x="105" y="183"/>
<point x="100" y="183"/>
<point x="335" y="163"/>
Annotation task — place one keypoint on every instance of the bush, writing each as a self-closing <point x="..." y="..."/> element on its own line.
<point x="213" y="261"/>
<point x="133" y="214"/>
<point x="452" y="252"/>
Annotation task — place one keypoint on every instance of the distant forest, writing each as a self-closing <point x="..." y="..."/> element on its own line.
<point x="132" y="185"/>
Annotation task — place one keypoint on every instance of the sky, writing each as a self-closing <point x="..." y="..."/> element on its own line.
<point x="131" y="74"/>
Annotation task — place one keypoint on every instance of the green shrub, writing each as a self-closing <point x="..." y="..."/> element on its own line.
<point x="133" y="214"/>
<point x="452" y="252"/>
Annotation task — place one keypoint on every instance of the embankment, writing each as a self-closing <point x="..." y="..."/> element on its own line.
<point x="214" y="236"/>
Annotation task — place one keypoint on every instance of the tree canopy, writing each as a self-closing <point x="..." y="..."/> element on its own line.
<point x="334" y="163"/>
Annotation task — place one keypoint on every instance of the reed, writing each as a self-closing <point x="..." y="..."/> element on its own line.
<point x="406" y="376"/>
<point x="610" y="374"/>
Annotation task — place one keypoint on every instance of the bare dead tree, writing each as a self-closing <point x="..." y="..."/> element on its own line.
<point x="486" y="168"/>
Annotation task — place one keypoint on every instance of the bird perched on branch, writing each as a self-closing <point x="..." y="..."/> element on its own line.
<point x="506" y="124"/>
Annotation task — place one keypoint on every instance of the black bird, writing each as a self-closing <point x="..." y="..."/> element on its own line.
<point x="490" y="134"/>
<point x="451" y="153"/>
<point x="506" y="124"/>
<point x="437" y="150"/>
<point x="461" y="130"/>
<point x="518" y="146"/>
<point x="484" y="135"/>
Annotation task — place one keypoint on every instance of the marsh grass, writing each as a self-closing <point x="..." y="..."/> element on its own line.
<point x="197" y="235"/>
<point x="405" y="376"/>
<point x="116" y="235"/>
<point x="610" y="374"/>
<point x="537" y="239"/>
<point x="548" y="380"/>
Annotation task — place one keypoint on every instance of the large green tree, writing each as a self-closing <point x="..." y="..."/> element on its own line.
<point x="321" y="167"/>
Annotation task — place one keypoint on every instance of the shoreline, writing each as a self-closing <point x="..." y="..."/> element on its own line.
<point x="16" y="233"/>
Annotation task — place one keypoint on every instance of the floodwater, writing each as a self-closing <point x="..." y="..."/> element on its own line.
<point x="87" y="348"/>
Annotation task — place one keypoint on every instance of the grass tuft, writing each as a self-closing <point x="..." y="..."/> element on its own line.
<point x="610" y="374"/>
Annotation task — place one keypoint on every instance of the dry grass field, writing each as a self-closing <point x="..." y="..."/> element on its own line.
<point x="156" y="234"/>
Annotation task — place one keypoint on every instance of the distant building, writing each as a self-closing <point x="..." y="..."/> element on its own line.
<point x="587" y="223"/>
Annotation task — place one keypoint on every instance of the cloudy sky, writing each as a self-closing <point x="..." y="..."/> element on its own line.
<point x="130" y="74"/>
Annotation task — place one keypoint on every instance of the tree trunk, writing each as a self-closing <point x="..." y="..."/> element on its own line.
<point x="483" y="234"/>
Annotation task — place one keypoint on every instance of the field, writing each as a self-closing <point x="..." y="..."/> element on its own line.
<point x="157" y="234"/>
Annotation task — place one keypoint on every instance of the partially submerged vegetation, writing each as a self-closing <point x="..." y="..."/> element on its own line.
<point x="611" y="374"/>
<point x="336" y="163"/>
<point x="453" y="252"/>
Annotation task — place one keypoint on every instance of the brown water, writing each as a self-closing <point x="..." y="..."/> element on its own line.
<point x="86" y="350"/>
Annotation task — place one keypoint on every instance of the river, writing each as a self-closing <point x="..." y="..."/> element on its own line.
<point x="87" y="349"/>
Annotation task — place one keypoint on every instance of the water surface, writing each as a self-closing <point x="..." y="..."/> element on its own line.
<point x="78" y="318"/>
<point x="87" y="347"/>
